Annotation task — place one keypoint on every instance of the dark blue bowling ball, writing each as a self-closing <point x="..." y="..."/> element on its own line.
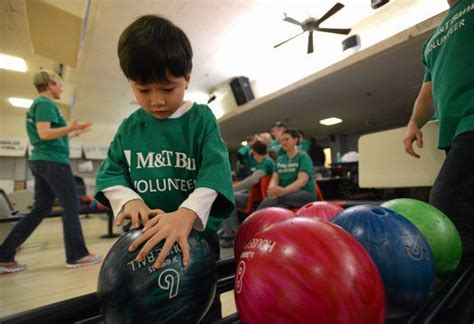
<point x="134" y="292"/>
<point x="399" y="250"/>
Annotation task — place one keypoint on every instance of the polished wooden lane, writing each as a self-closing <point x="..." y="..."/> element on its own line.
<point x="47" y="280"/>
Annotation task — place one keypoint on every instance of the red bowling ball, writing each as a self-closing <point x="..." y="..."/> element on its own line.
<point x="319" y="209"/>
<point x="305" y="270"/>
<point x="256" y="222"/>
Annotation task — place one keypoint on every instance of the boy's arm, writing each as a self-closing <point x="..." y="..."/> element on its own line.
<point x="214" y="169"/>
<point x="200" y="201"/>
<point x="250" y="181"/>
<point x="113" y="170"/>
<point x="118" y="196"/>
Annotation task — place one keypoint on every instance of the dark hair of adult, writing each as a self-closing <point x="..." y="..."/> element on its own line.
<point x="259" y="147"/>
<point x="152" y="46"/>
<point x="293" y="133"/>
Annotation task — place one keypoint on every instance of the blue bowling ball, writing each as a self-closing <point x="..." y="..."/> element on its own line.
<point x="399" y="250"/>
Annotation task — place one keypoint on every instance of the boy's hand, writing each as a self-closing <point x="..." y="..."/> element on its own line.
<point x="135" y="210"/>
<point x="173" y="227"/>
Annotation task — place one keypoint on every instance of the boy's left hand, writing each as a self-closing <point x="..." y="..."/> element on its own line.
<point x="173" y="227"/>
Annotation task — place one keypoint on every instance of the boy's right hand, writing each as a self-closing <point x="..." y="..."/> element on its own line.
<point x="135" y="210"/>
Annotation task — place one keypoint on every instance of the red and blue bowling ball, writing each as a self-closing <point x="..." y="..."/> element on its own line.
<point x="437" y="229"/>
<point x="319" y="209"/>
<point x="305" y="270"/>
<point x="399" y="250"/>
<point x="257" y="222"/>
<point x="134" y="292"/>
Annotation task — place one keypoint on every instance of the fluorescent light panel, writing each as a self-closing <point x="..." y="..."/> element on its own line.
<point x="12" y="63"/>
<point x="330" y="121"/>
<point x="243" y="143"/>
<point x="20" y="102"/>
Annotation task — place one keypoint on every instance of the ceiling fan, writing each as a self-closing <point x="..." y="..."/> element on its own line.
<point x="312" y="24"/>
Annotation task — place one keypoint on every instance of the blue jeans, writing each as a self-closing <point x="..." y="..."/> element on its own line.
<point x="52" y="179"/>
<point x="295" y="199"/>
<point x="453" y="189"/>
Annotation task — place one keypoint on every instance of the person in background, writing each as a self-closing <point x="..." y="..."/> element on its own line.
<point x="265" y="166"/>
<point x="167" y="159"/>
<point x="292" y="185"/>
<point x="49" y="163"/>
<point x="316" y="153"/>
<point x="267" y="139"/>
<point x="448" y="90"/>
<point x="277" y="129"/>
<point x="245" y="161"/>
<point x="304" y="143"/>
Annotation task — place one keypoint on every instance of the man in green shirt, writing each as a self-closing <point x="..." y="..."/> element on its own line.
<point x="448" y="90"/>
<point x="277" y="129"/>
<point x="264" y="166"/>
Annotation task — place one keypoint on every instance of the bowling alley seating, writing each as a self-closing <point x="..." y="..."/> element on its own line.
<point x="256" y="195"/>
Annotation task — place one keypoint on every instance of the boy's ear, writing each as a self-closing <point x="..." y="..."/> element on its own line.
<point x="187" y="78"/>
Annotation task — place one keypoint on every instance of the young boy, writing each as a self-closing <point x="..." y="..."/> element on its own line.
<point x="167" y="158"/>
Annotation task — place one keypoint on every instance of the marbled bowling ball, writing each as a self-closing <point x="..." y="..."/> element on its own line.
<point x="133" y="292"/>
<point x="399" y="250"/>
<point x="305" y="270"/>
<point x="436" y="227"/>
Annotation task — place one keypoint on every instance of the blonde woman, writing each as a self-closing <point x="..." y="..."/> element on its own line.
<point x="48" y="133"/>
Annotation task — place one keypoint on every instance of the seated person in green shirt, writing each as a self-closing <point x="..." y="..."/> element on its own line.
<point x="265" y="166"/>
<point x="245" y="161"/>
<point x="292" y="185"/>
<point x="303" y="144"/>
<point x="275" y="146"/>
<point x="167" y="157"/>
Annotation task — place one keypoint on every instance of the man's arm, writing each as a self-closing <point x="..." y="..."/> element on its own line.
<point x="423" y="110"/>
<point x="250" y="181"/>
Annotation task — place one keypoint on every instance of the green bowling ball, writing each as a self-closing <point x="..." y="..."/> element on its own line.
<point x="437" y="229"/>
<point x="134" y="292"/>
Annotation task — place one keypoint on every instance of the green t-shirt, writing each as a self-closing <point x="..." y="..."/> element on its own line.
<point x="165" y="160"/>
<point x="288" y="170"/>
<point x="275" y="146"/>
<point x="57" y="150"/>
<point x="304" y="145"/>
<point x="247" y="157"/>
<point x="267" y="165"/>
<point x="448" y="56"/>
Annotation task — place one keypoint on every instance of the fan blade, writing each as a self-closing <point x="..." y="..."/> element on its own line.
<point x="310" y="42"/>
<point x="287" y="40"/>
<point x="291" y="20"/>
<point x="342" y="31"/>
<point x="338" y="6"/>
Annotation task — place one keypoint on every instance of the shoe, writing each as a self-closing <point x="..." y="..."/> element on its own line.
<point x="85" y="261"/>
<point x="12" y="266"/>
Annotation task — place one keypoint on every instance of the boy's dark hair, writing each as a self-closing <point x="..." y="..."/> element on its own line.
<point x="293" y="133"/>
<point x="152" y="46"/>
<point x="259" y="147"/>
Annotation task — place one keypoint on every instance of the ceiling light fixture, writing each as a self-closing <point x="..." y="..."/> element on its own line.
<point x="12" y="63"/>
<point x="20" y="102"/>
<point x="243" y="143"/>
<point x="330" y="121"/>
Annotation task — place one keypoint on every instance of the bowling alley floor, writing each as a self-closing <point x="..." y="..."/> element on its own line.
<point x="47" y="280"/>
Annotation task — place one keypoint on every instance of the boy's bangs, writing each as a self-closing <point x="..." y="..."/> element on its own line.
<point x="152" y="66"/>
